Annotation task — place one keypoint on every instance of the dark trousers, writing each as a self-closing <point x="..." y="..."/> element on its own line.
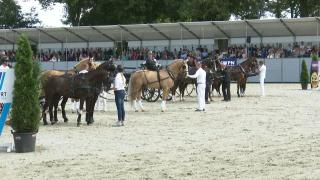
<point x="226" y="91"/>
<point x="119" y="99"/>
<point x="207" y="92"/>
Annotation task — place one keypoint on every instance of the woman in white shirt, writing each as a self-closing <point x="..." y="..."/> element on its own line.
<point x="119" y="92"/>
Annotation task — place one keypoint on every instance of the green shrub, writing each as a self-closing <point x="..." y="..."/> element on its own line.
<point x="25" y="105"/>
<point x="314" y="57"/>
<point x="304" y="76"/>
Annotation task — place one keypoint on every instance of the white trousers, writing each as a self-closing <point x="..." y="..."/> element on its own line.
<point x="262" y="86"/>
<point x="201" y="89"/>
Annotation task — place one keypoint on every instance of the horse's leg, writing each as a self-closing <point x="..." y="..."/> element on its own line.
<point x="91" y="106"/>
<point x="51" y="113"/>
<point x="63" y="107"/>
<point x="165" y="94"/>
<point x="139" y="101"/>
<point x="44" y="113"/>
<point x="79" y="111"/>
<point x="88" y="109"/>
<point x="55" y="105"/>
<point x="238" y="87"/>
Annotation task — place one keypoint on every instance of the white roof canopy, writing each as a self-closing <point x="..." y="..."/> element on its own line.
<point x="168" y="31"/>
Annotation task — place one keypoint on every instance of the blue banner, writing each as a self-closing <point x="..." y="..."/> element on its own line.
<point x="4" y="111"/>
<point x="6" y="87"/>
<point x="229" y="61"/>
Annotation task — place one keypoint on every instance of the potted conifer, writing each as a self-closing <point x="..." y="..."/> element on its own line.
<point x="25" y="106"/>
<point x="304" y="76"/>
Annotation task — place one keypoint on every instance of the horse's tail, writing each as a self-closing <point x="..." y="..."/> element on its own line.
<point x="130" y="91"/>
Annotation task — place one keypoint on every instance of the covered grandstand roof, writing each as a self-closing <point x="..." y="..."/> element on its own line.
<point x="168" y="31"/>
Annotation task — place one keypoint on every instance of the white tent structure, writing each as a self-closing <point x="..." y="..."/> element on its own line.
<point x="168" y="31"/>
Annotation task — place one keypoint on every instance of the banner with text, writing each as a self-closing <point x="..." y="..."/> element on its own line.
<point x="6" y="89"/>
<point x="229" y="61"/>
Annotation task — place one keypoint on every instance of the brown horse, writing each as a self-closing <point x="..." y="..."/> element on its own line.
<point x="85" y="86"/>
<point x="145" y="78"/>
<point x="240" y="72"/>
<point x="85" y="64"/>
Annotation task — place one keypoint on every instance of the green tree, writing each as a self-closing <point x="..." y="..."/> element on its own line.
<point x="278" y="7"/>
<point x="248" y="9"/>
<point x="304" y="76"/>
<point x="25" y="105"/>
<point x="205" y="10"/>
<point x="12" y="17"/>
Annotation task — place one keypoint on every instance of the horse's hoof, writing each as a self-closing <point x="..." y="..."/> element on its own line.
<point x="53" y="122"/>
<point x="136" y="111"/>
<point x="45" y="123"/>
<point x="142" y="110"/>
<point x="78" y="124"/>
<point x="66" y="120"/>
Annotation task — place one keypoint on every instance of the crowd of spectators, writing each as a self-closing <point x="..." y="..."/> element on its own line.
<point x="296" y="50"/>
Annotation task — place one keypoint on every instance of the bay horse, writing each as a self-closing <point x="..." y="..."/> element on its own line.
<point x="241" y="72"/>
<point x="85" y="87"/>
<point x="145" y="78"/>
<point x="84" y="64"/>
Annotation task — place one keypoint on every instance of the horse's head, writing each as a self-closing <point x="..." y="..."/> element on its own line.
<point x="253" y="65"/>
<point x="107" y="66"/>
<point x="110" y="69"/>
<point x="85" y="64"/>
<point x="179" y="66"/>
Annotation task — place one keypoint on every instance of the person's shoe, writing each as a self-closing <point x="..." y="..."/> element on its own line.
<point x="118" y="124"/>
<point x="199" y="110"/>
<point x="207" y="102"/>
<point x="122" y="124"/>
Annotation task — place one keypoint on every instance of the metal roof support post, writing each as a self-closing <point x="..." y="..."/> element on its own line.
<point x="75" y="34"/>
<point x="103" y="34"/>
<point x="131" y="33"/>
<point x="51" y="36"/>
<point x="191" y="32"/>
<point x="255" y="30"/>
<point x="160" y="32"/>
<point x="7" y="40"/>
<point x="169" y="48"/>
<point x="291" y="32"/>
<point x="222" y="31"/>
<point x="33" y="41"/>
<point x="318" y="20"/>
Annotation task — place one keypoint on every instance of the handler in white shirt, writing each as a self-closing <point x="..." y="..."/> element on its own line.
<point x="262" y="75"/>
<point x="201" y="86"/>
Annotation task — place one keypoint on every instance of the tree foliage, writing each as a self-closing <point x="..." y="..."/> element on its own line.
<point x="304" y="76"/>
<point x="25" y="104"/>
<point x="12" y="17"/>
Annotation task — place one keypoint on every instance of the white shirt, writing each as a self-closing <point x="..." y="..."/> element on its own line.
<point x="4" y="67"/>
<point x="262" y="70"/>
<point x="200" y="75"/>
<point x="119" y="82"/>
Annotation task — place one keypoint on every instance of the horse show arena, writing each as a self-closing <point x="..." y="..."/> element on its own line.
<point x="274" y="137"/>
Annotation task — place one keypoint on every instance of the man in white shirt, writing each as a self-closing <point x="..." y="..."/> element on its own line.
<point x="262" y="75"/>
<point x="201" y="86"/>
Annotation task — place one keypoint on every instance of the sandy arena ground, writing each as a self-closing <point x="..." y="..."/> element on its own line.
<point x="275" y="137"/>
